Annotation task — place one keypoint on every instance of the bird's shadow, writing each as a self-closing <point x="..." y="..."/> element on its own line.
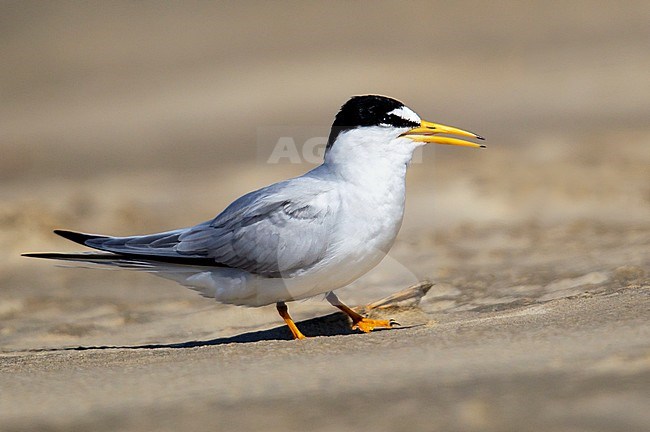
<point x="335" y="324"/>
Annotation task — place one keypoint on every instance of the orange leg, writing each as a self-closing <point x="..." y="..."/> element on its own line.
<point x="359" y="321"/>
<point x="283" y="310"/>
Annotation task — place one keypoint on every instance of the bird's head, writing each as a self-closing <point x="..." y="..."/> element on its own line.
<point x="379" y="124"/>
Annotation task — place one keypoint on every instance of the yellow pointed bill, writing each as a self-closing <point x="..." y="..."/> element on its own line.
<point x="428" y="132"/>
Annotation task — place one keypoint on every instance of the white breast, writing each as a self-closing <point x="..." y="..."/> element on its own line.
<point x="372" y="195"/>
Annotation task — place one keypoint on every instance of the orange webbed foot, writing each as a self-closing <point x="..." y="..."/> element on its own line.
<point x="367" y="325"/>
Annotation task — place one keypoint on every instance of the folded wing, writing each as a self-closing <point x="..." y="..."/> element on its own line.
<point x="271" y="232"/>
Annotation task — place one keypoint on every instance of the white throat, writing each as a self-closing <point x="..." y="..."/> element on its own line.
<point x="370" y="154"/>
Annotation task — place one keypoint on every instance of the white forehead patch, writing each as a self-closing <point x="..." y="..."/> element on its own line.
<point x="406" y="113"/>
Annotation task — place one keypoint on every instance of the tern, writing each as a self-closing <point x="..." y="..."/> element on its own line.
<point x="301" y="237"/>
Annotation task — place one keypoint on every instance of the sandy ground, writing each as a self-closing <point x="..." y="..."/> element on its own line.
<point x="570" y="364"/>
<point x="129" y="118"/>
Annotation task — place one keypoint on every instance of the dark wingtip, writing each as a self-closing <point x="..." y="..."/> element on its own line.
<point x="483" y="146"/>
<point x="76" y="237"/>
<point x="79" y="256"/>
<point x="47" y="255"/>
<point x="480" y="137"/>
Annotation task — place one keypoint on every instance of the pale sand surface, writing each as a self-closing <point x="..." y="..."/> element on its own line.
<point x="571" y="364"/>
<point x="133" y="119"/>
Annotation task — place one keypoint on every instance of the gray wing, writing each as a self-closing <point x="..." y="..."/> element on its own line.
<point x="278" y="229"/>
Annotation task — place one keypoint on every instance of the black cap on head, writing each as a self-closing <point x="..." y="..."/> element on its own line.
<point x="369" y="110"/>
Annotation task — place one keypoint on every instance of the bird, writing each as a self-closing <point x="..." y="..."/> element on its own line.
<point x="298" y="238"/>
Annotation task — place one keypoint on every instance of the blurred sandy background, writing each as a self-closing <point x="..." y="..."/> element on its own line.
<point x="124" y="118"/>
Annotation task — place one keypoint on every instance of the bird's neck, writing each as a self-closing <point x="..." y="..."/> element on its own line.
<point x="369" y="161"/>
<point x="369" y="176"/>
